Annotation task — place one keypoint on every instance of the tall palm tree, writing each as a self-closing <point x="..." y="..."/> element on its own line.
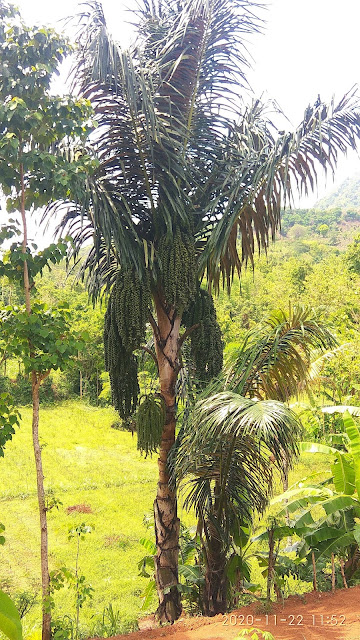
<point x="239" y="426"/>
<point x="184" y="170"/>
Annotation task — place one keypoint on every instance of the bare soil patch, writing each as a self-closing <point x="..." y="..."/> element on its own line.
<point x="315" y="616"/>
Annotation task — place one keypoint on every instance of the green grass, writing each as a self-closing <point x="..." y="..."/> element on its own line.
<point x="85" y="462"/>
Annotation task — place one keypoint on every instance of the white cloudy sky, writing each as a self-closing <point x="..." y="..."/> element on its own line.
<point x="308" y="47"/>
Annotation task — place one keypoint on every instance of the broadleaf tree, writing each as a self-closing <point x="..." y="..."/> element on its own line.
<point x="190" y="182"/>
<point x="35" y="168"/>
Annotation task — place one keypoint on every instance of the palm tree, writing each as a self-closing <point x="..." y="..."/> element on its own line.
<point x="184" y="170"/>
<point x="223" y="453"/>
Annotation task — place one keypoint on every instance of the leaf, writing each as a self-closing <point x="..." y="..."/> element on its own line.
<point x="333" y="546"/>
<point x="278" y="534"/>
<point x="354" y="411"/>
<point x="337" y="503"/>
<point x="315" y="447"/>
<point x="190" y="573"/>
<point x="148" y="595"/>
<point x="148" y="545"/>
<point x="344" y="473"/>
<point x="321" y="534"/>
<point x="353" y="433"/>
<point x="10" y="623"/>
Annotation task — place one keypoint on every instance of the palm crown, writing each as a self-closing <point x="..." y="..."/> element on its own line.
<point x="175" y="149"/>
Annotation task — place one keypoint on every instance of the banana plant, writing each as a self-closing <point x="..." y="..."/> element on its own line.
<point x="338" y="528"/>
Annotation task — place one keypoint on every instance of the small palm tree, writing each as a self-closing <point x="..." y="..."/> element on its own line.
<point x="240" y="431"/>
<point x="184" y="170"/>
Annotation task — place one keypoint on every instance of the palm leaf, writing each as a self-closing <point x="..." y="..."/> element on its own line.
<point x="221" y="459"/>
<point x="276" y="360"/>
<point x="353" y="433"/>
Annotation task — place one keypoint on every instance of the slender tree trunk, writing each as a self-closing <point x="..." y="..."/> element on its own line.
<point x="343" y="573"/>
<point x="35" y="388"/>
<point x="167" y="523"/>
<point x="332" y="572"/>
<point x="270" y="576"/>
<point x="45" y="578"/>
<point x="314" y="571"/>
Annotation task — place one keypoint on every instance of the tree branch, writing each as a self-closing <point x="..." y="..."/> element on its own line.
<point x="187" y="333"/>
<point x="154" y="326"/>
<point x="152" y="354"/>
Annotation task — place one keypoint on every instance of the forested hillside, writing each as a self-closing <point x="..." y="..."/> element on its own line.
<point x="346" y="197"/>
<point x="315" y="262"/>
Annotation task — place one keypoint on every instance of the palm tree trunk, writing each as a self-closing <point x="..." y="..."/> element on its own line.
<point x="215" y="588"/>
<point x="167" y="523"/>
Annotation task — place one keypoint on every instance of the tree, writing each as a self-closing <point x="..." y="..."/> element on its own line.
<point x="34" y="168"/>
<point x="184" y="171"/>
<point x="222" y="454"/>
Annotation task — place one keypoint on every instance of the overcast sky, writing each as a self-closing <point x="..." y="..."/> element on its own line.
<point x="308" y="47"/>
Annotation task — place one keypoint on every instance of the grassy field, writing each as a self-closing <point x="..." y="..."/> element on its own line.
<point x="86" y="463"/>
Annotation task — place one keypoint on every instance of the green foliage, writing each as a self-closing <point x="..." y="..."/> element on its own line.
<point x="206" y="342"/>
<point x="310" y="220"/>
<point x="109" y="624"/>
<point x="13" y="263"/>
<point x="150" y="420"/>
<point x="110" y="479"/>
<point x="346" y="197"/>
<point x="352" y="255"/>
<point x="9" y="419"/>
<point x="326" y="519"/>
<point x="274" y="359"/>
<point x="49" y="333"/>
<point x="10" y="623"/>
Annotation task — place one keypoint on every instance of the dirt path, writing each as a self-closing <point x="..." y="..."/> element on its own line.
<point x="307" y="618"/>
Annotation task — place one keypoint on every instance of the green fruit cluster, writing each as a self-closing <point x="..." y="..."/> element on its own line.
<point x="178" y="269"/>
<point x="124" y="331"/>
<point x="206" y="341"/>
<point x="150" y="420"/>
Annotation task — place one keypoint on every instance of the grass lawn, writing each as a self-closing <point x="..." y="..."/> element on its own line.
<point x="87" y="463"/>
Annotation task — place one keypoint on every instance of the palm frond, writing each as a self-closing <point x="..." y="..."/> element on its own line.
<point x="275" y="361"/>
<point x="221" y="459"/>
<point x="264" y="173"/>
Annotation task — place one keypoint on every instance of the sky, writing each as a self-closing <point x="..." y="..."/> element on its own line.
<point x="307" y="48"/>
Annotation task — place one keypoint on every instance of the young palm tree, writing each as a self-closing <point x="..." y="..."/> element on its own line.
<point x="184" y="170"/>
<point x="223" y="451"/>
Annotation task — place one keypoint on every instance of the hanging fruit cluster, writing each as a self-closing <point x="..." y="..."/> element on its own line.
<point x="124" y="331"/>
<point x="178" y="269"/>
<point x="206" y="342"/>
<point x="150" y="420"/>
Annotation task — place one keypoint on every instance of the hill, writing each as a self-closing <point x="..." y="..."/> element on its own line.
<point x="346" y="197"/>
